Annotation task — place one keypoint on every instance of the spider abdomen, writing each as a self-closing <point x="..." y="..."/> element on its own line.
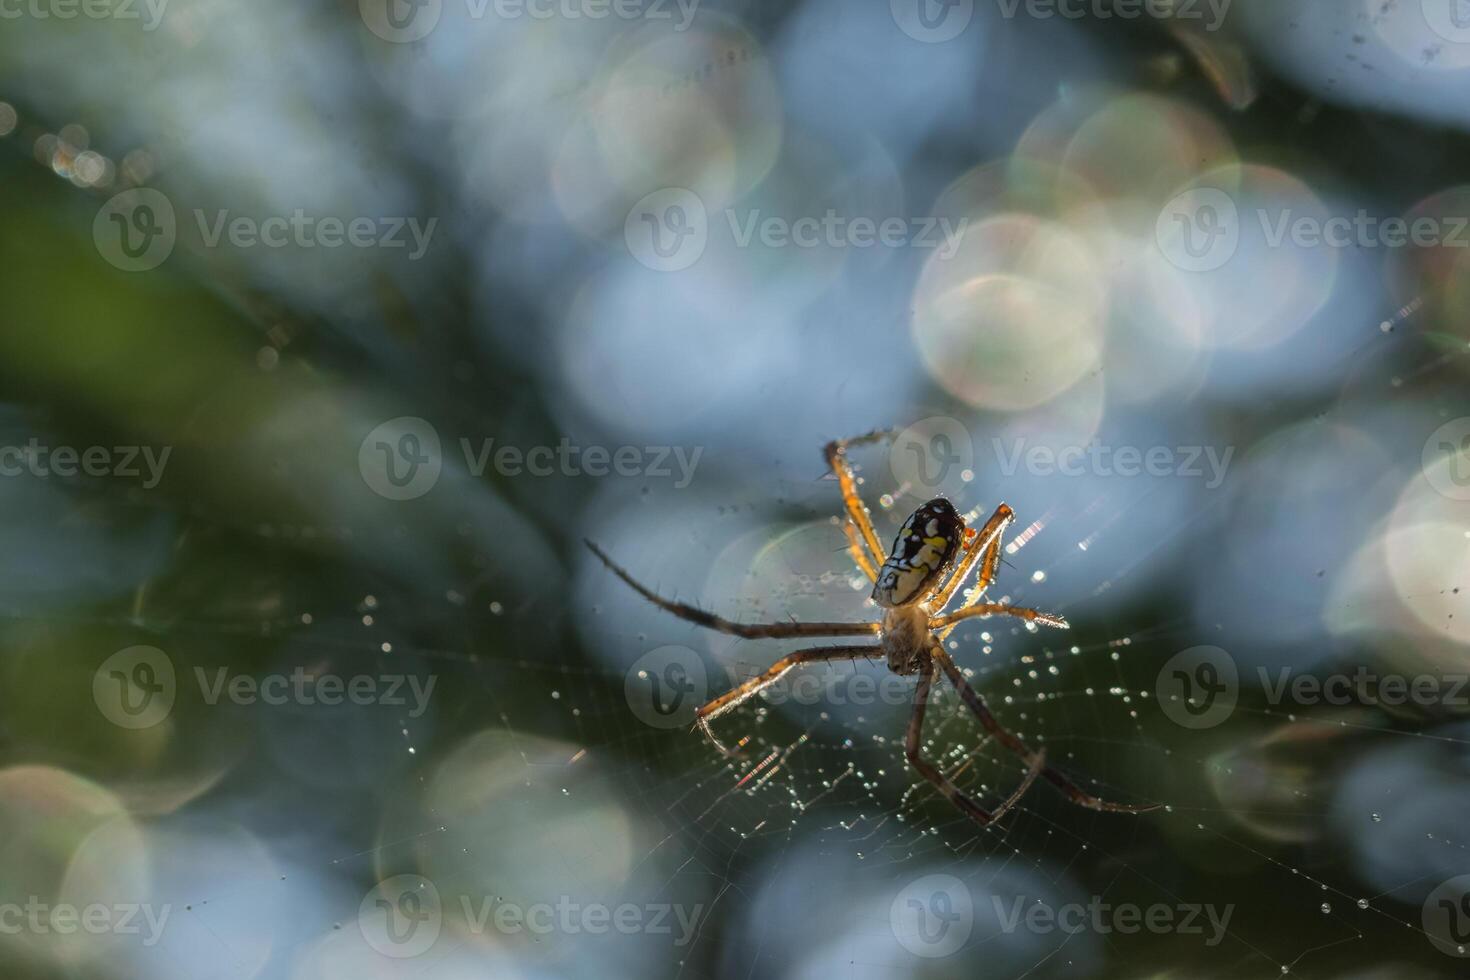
<point x="925" y="546"/>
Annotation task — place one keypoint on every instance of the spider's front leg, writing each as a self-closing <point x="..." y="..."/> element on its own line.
<point x="859" y="529"/>
<point x="952" y="792"/>
<point x="984" y="548"/>
<point x="984" y="609"/>
<point x="735" y="696"/>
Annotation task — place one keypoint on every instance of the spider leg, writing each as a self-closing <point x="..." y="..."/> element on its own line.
<point x="992" y="725"/>
<point x="735" y="696"/>
<point x="857" y="511"/>
<point x="986" y="545"/>
<point x="951" y="792"/>
<point x="747" y="630"/>
<point x="985" y="609"/>
<point x="855" y="549"/>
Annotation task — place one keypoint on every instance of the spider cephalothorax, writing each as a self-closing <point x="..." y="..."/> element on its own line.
<point x="913" y="586"/>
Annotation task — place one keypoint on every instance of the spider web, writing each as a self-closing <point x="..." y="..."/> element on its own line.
<point x="820" y="824"/>
<point x="800" y="857"/>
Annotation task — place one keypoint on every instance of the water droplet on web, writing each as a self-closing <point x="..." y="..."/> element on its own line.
<point x="1362" y="903"/>
<point x="1038" y="576"/>
<point x="1377" y="818"/>
<point x="1326" y="908"/>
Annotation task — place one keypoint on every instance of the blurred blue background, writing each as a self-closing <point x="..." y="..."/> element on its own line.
<point x="330" y="329"/>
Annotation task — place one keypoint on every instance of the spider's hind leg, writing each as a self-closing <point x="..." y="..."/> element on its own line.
<point x="748" y="630"/>
<point x="736" y="695"/>
<point x="992" y="725"/>
<point x="952" y="792"/>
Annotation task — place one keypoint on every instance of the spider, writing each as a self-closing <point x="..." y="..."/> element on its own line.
<point x="912" y="586"/>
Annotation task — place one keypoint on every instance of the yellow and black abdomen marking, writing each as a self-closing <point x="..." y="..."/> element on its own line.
<point x="925" y="546"/>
